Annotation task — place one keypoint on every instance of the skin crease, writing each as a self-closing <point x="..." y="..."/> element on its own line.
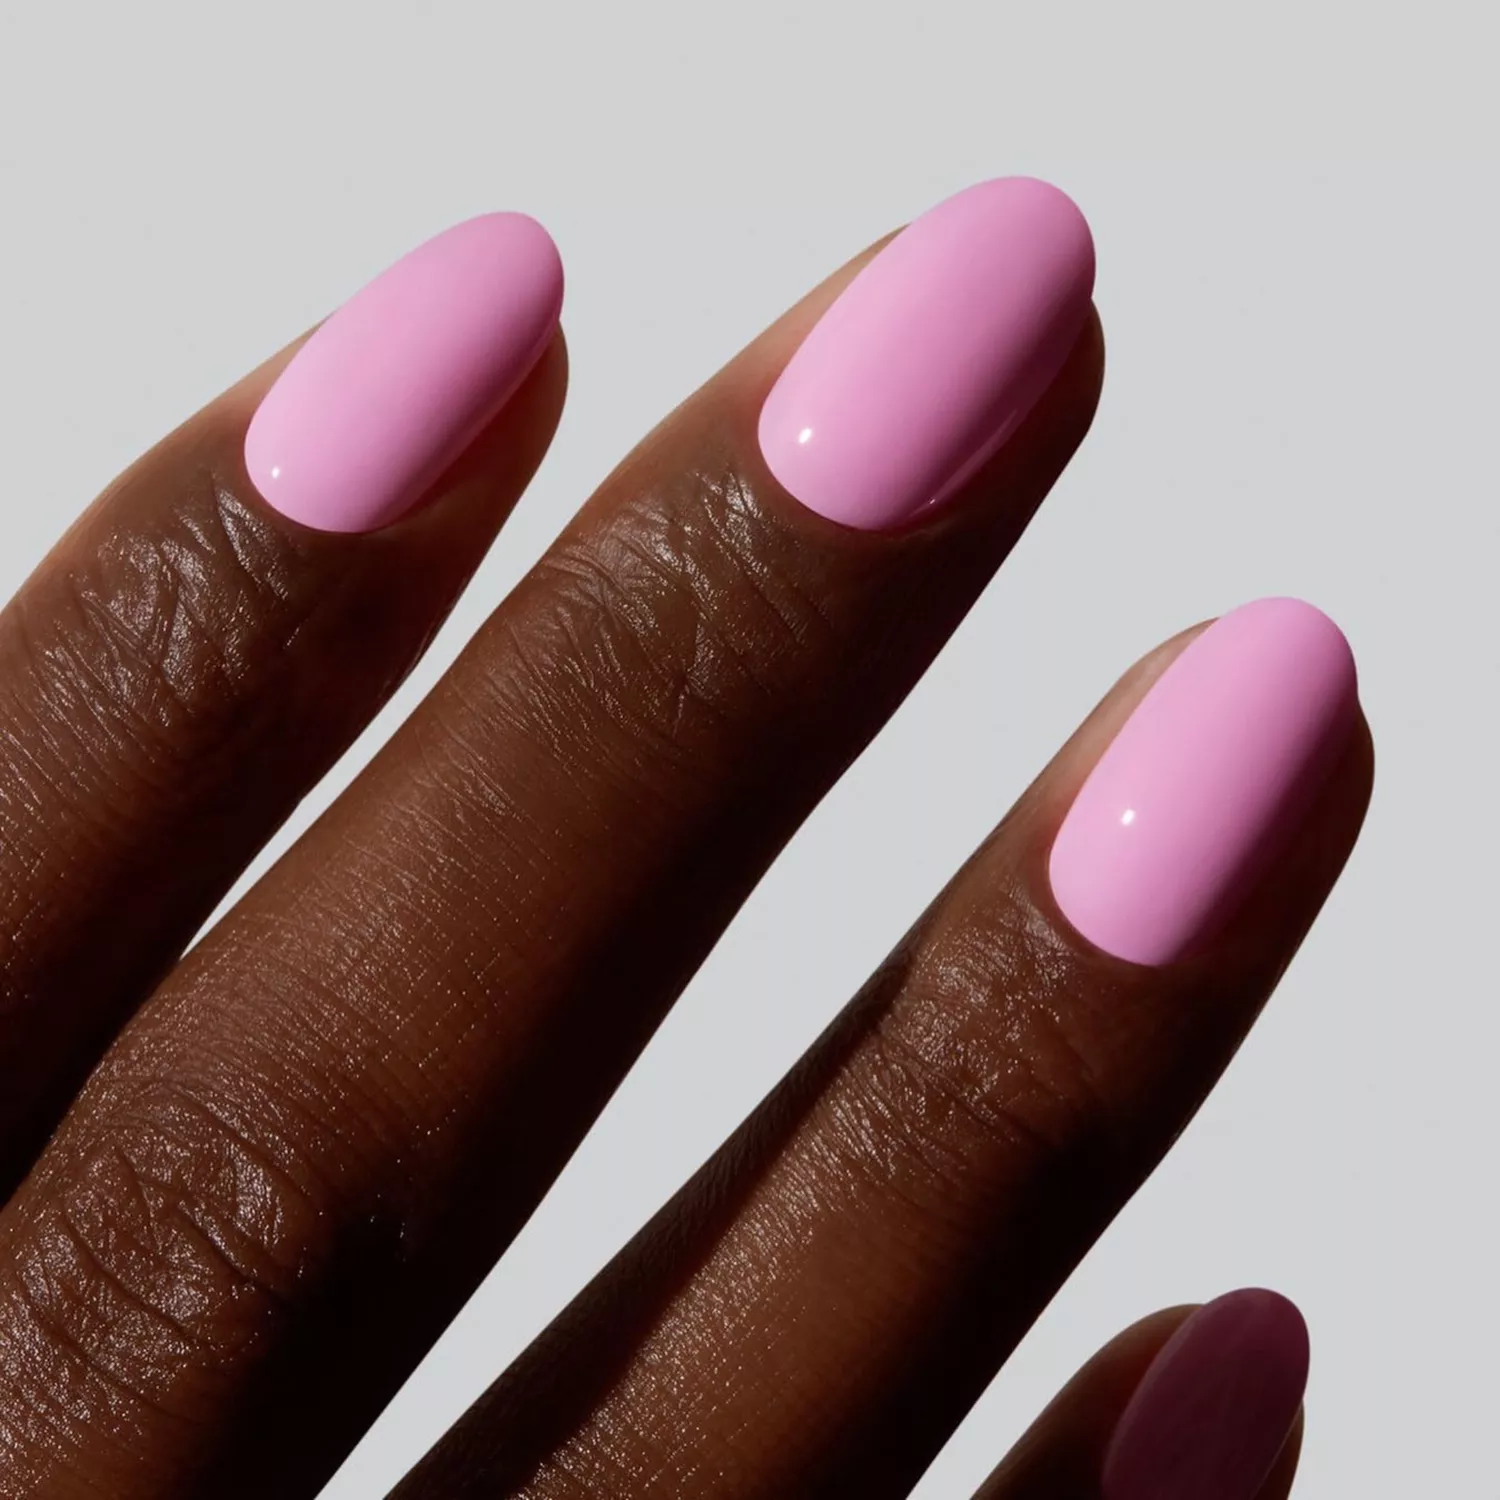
<point x="297" y="1161"/>
<point x="173" y="679"/>
<point x="284" y="1139"/>
<point x="848" y="1265"/>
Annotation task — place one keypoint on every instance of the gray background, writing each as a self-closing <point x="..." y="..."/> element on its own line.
<point x="1297" y="238"/>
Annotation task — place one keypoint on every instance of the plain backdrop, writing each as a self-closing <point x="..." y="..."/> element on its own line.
<point x="1295" y="210"/>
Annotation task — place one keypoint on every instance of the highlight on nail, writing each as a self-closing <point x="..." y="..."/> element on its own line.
<point x="1205" y="781"/>
<point x="397" y="383"/>
<point x="932" y="356"/>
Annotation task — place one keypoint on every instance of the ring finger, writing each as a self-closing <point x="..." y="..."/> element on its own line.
<point x="821" y="1304"/>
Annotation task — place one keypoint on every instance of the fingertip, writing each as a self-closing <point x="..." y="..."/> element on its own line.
<point x="1204" y="782"/>
<point x="1213" y="1412"/>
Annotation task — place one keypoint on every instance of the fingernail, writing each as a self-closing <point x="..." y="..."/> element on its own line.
<point x="404" y="376"/>
<point x="1214" y="1410"/>
<point x="932" y="355"/>
<point x="1205" y="780"/>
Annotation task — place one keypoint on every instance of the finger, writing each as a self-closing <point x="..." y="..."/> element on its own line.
<point x="353" y="1092"/>
<point x="819" y="1307"/>
<point x="1184" y="1405"/>
<point x="189" y="660"/>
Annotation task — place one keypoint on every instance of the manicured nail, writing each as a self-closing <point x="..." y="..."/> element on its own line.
<point x="1205" y="781"/>
<point x="932" y="355"/>
<point x="405" y="375"/>
<point x="1213" y="1412"/>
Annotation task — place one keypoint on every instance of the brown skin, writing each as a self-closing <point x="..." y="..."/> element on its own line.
<point x="855" y="1264"/>
<point x="177" y="674"/>
<point x="286" y="1174"/>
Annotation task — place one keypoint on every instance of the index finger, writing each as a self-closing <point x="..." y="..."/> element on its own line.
<point x="214" y="631"/>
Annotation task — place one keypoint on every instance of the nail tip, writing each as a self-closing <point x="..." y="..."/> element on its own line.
<point x="1069" y="222"/>
<point x="1294" y="1335"/>
<point x="1275" y="1312"/>
<point x="1317" y="635"/>
<point x="514" y="224"/>
<point x="518" y="240"/>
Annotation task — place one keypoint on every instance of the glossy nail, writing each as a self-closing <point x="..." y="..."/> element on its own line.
<point x="1205" y="780"/>
<point x="932" y="355"/>
<point x="1214" y="1410"/>
<point x="404" y="376"/>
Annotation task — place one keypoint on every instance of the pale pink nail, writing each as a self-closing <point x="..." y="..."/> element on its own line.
<point x="404" y="376"/>
<point x="1205" y="780"/>
<point x="930" y="358"/>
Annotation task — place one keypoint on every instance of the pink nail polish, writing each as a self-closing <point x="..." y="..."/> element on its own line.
<point x="930" y="358"/>
<point x="1213" y="1412"/>
<point x="404" y="376"/>
<point x="1205" y="780"/>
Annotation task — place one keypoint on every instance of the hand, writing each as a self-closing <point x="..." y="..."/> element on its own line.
<point x="282" y="1162"/>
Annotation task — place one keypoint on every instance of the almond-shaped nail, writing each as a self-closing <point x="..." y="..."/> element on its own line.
<point x="1205" y="780"/>
<point x="932" y="355"/>
<point x="1214" y="1410"/>
<point x="404" y="376"/>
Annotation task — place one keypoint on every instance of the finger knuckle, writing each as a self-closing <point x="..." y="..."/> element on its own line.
<point x="683" y="614"/>
<point x="164" y="1246"/>
<point x="146" y="634"/>
<point x="981" y="1070"/>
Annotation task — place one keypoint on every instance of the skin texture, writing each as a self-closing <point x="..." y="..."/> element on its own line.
<point x="896" y="1215"/>
<point x="286" y="1173"/>
<point x="175" y="676"/>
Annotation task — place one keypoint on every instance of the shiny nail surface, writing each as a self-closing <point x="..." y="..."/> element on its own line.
<point x="1213" y="1412"/>
<point x="932" y="355"/>
<point x="404" y="376"/>
<point x="1204" y="781"/>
